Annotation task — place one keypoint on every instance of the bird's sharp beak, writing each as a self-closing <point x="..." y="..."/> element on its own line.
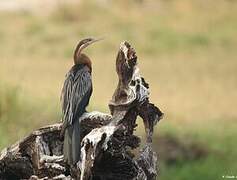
<point x="95" y="40"/>
<point x="92" y="41"/>
<point x="89" y="43"/>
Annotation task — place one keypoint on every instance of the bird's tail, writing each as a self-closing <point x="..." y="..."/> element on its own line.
<point x="72" y="140"/>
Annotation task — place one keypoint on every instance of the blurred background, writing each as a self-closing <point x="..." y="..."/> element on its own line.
<point x="187" y="52"/>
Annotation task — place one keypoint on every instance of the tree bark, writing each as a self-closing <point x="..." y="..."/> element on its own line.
<point x="107" y="140"/>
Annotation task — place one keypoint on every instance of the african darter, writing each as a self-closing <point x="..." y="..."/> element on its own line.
<point x="75" y="96"/>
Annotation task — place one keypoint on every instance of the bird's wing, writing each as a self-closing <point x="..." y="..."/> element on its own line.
<point x="75" y="94"/>
<point x="66" y="91"/>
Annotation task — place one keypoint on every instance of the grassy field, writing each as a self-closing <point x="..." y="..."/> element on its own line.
<point x="187" y="52"/>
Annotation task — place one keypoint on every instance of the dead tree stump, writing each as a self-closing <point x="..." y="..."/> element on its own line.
<point x="107" y="140"/>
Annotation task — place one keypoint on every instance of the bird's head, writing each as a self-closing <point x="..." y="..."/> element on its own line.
<point x="82" y="45"/>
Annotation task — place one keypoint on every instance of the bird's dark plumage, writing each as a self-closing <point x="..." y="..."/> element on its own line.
<point x="76" y="90"/>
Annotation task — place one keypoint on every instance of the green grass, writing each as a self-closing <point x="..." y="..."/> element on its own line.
<point x="208" y="168"/>
<point x="218" y="139"/>
<point x="187" y="52"/>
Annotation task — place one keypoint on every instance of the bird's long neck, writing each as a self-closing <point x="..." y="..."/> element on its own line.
<point x="83" y="59"/>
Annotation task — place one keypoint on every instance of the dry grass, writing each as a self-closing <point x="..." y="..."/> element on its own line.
<point x="186" y="49"/>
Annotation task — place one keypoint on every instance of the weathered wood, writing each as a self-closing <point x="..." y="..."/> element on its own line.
<point x="107" y="140"/>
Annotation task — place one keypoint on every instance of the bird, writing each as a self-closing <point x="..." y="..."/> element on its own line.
<point x="75" y="97"/>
